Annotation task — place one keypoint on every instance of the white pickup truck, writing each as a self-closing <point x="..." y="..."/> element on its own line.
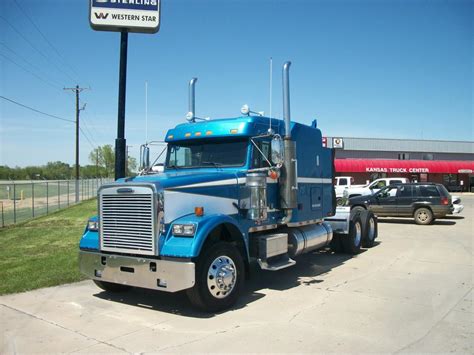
<point x="369" y="189"/>
<point x="342" y="183"/>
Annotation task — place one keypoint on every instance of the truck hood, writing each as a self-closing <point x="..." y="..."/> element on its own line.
<point x="173" y="179"/>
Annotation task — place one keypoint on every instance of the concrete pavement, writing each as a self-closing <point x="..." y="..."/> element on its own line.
<point x="412" y="292"/>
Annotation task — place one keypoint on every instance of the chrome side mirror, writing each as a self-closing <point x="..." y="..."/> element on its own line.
<point x="277" y="150"/>
<point x="144" y="157"/>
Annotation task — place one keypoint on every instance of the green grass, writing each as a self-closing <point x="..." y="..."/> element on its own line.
<point x="44" y="251"/>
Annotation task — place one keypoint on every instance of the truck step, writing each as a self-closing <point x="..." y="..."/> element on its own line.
<point x="274" y="265"/>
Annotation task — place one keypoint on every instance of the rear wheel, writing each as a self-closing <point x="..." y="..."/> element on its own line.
<point x="219" y="278"/>
<point x="369" y="228"/>
<point x="111" y="287"/>
<point x="423" y="216"/>
<point x="351" y="243"/>
<point x="358" y="209"/>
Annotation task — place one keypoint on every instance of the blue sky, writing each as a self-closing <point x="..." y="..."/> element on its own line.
<point x="396" y="69"/>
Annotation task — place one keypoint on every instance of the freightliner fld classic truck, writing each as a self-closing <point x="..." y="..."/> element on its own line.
<point x="233" y="192"/>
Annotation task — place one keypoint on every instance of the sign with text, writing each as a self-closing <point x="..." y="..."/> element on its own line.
<point x="130" y="15"/>
<point x="338" y="143"/>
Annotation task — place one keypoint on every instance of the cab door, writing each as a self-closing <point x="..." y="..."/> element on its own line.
<point x="405" y="200"/>
<point x="385" y="203"/>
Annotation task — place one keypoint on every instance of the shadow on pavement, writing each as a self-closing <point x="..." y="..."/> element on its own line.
<point x="437" y="222"/>
<point x="309" y="269"/>
<point x="453" y="217"/>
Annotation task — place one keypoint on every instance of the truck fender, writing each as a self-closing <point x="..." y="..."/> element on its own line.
<point x="208" y="230"/>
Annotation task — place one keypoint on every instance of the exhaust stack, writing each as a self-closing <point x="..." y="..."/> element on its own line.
<point x="191" y="116"/>
<point x="286" y="99"/>
<point x="288" y="178"/>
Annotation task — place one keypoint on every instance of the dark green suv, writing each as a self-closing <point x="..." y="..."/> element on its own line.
<point x="422" y="201"/>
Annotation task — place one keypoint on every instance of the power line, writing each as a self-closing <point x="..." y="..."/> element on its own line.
<point x="30" y="72"/>
<point x="34" y="47"/>
<point x="35" y="110"/>
<point x="29" y="63"/>
<point x="44" y="37"/>
<point x="86" y="126"/>
<point x="85" y="135"/>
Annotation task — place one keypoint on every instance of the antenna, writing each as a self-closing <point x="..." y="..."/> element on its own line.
<point x="146" y="111"/>
<point x="271" y="81"/>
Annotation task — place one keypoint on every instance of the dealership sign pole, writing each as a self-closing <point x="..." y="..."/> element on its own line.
<point x="141" y="16"/>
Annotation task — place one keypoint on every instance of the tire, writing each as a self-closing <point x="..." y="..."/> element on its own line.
<point x="336" y="244"/>
<point x="359" y="209"/>
<point x="351" y="243"/>
<point x="209" y="292"/>
<point x="111" y="287"/>
<point x="369" y="229"/>
<point x="423" y="216"/>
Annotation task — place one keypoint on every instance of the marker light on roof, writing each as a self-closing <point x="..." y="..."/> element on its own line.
<point x="234" y="131"/>
<point x="170" y="136"/>
<point x="197" y="134"/>
<point x="245" y="110"/>
<point x="187" y="135"/>
<point x="208" y="133"/>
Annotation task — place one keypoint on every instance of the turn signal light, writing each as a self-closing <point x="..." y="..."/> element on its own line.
<point x="273" y="174"/>
<point x="199" y="211"/>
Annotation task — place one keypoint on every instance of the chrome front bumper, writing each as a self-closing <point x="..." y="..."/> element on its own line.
<point x="164" y="275"/>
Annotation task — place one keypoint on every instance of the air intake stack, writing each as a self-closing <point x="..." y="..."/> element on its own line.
<point x="288" y="178"/>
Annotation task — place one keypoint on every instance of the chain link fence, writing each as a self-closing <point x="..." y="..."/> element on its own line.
<point x="22" y="200"/>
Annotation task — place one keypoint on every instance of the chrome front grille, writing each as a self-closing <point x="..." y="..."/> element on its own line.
<point x="128" y="219"/>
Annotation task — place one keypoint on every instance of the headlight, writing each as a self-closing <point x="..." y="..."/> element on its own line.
<point x="186" y="230"/>
<point x="93" y="225"/>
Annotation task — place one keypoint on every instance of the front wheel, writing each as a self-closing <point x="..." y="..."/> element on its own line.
<point x="219" y="278"/>
<point x="423" y="216"/>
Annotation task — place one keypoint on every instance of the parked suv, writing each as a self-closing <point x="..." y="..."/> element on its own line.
<point x="370" y="189"/>
<point x="422" y="201"/>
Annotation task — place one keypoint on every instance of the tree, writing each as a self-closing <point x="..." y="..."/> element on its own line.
<point x="104" y="157"/>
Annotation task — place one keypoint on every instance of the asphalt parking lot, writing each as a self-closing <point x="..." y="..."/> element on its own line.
<point x="412" y="292"/>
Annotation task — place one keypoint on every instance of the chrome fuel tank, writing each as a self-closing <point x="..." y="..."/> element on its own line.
<point x="308" y="238"/>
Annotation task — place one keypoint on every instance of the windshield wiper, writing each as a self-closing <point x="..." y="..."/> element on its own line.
<point x="173" y="167"/>
<point x="211" y="163"/>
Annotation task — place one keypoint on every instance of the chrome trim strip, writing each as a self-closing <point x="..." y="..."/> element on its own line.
<point x="304" y="223"/>
<point x="164" y="275"/>
<point x="307" y="180"/>
<point x="263" y="228"/>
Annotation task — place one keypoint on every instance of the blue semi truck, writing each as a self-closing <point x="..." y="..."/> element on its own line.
<point x="234" y="191"/>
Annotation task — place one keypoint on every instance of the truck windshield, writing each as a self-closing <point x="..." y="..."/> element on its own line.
<point x="206" y="153"/>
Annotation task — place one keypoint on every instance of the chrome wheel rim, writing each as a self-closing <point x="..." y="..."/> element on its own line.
<point x="221" y="277"/>
<point x="371" y="229"/>
<point x="422" y="216"/>
<point x="358" y="234"/>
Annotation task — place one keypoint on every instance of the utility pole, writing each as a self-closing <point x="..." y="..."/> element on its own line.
<point x="77" y="90"/>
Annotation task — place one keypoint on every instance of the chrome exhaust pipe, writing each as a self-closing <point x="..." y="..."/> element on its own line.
<point x="286" y="98"/>
<point x="288" y="177"/>
<point x="192" y="100"/>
